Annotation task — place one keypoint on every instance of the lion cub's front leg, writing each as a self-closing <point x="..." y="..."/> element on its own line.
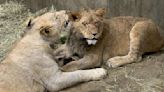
<point x="83" y="63"/>
<point x="60" y="80"/>
<point x="72" y="66"/>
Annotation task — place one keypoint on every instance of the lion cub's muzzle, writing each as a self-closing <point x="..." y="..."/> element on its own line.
<point x="91" y="41"/>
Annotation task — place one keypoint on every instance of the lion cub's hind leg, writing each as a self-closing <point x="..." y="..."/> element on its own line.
<point x="144" y="37"/>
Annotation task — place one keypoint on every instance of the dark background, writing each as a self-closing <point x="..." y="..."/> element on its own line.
<point x="153" y="9"/>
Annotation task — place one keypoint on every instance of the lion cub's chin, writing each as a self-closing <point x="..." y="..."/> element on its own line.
<point x="91" y="42"/>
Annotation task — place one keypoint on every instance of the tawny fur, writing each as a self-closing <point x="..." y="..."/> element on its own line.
<point x="30" y="67"/>
<point x="120" y="40"/>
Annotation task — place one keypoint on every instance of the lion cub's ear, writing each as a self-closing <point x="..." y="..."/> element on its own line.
<point x="100" y="12"/>
<point x="29" y="22"/>
<point x="75" y="16"/>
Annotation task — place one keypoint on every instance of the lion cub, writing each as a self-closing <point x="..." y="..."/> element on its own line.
<point x="29" y="67"/>
<point x="116" y="41"/>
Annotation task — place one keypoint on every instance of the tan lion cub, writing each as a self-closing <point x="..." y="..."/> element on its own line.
<point x="30" y="68"/>
<point x="116" y="41"/>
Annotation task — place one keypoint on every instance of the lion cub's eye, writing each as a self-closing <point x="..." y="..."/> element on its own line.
<point x="46" y="31"/>
<point x="66" y="23"/>
<point x="84" y="23"/>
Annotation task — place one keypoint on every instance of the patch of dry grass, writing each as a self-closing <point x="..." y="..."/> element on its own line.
<point x="13" y="16"/>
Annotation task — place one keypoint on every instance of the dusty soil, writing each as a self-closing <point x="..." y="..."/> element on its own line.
<point x="145" y="76"/>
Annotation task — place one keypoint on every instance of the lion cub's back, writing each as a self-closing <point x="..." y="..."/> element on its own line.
<point x="124" y="23"/>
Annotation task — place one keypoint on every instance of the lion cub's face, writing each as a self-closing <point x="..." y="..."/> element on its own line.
<point x="51" y="25"/>
<point x="90" y="25"/>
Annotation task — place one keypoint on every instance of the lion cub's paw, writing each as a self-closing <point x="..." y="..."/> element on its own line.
<point x="122" y="60"/>
<point x="98" y="73"/>
<point x="117" y="61"/>
<point x="112" y="65"/>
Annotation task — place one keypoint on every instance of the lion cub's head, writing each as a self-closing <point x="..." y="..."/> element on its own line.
<point x="50" y="25"/>
<point x="90" y="24"/>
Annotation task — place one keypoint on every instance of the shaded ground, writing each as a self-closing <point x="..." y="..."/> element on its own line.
<point x="145" y="76"/>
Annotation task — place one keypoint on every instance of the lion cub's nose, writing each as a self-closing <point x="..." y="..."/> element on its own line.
<point x="94" y="34"/>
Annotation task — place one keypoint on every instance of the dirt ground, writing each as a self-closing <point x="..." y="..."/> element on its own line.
<point x="145" y="76"/>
